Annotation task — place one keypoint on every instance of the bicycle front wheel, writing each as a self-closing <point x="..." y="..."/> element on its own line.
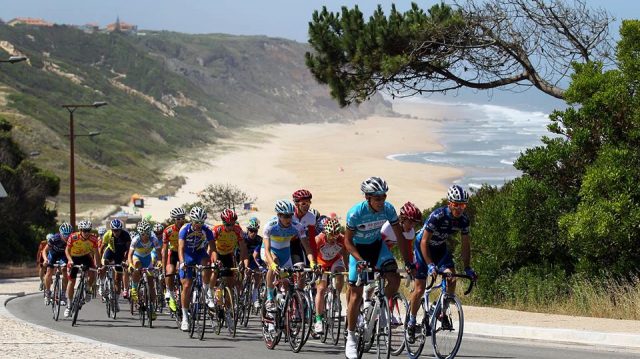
<point x="78" y="298"/>
<point x="295" y="321"/>
<point x="397" y="308"/>
<point x="383" y="333"/>
<point x="57" y="296"/>
<point x="150" y="305"/>
<point x="230" y="312"/>
<point x="415" y="343"/>
<point x="447" y="324"/>
<point x="142" y="302"/>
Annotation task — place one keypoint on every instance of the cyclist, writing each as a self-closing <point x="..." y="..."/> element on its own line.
<point x="307" y="219"/>
<point x="42" y="269"/>
<point x="156" y="253"/>
<point x="53" y="253"/>
<point x="331" y="250"/>
<point x="275" y="251"/>
<point x="115" y="245"/>
<point x="254" y="242"/>
<point x="139" y="257"/>
<point x="431" y="250"/>
<point x="363" y="240"/>
<point x="170" y="253"/>
<point x="82" y="249"/>
<point x="194" y="240"/>
<point x="226" y="238"/>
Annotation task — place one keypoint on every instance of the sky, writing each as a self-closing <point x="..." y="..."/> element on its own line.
<point x="275" y="18"/>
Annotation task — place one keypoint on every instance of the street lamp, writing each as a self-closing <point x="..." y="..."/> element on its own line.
<point x="14" y="59"/>
<point x="72" y="170"/>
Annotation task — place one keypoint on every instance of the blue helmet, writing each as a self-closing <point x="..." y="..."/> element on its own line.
<point x="284" y="206"/>
<point x="66" y="229"/>
<point x="116" y="224"/>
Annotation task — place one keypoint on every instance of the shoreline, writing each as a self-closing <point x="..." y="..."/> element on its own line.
<point x="329" y="159"/>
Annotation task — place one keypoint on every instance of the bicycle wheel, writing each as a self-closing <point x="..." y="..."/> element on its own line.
<point x="106" y="290"/>
<point x="177" y="288"/>
<point x="447" y="324"/>
<point x="113" y="296"/>
<point x="327" y="324"/>
<point x="336" y="318"/>
<point x="383" y="333"/>
<point x="245" y="303"/>
<point x="202" y="322"/>
<point x="78" y="298"/>
<point x="230" y="314"/>
<point x="149" y="304"/>
<point x="194" y="309"/>
<point x="271" y="331"/>
<point x="57" y="296"/>
<point x="295" y="321"/>
<point x="398" y="307"/>
<point x="370" y="330"/>
<point x="309" y="313"/>
<point x="415" y="344"/>
<point x="142" y="302"/>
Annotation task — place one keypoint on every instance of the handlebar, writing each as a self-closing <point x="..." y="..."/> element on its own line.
<point x="446" y="275"/>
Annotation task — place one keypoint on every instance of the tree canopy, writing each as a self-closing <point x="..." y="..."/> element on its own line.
<point x="512" y="44"/>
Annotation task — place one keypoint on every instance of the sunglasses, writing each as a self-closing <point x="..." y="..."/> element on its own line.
<point x="287" y="215"/>
<point x="198" y="222"/>
<point x="379" y="198"/>
<point x="85" y="230"/>
<point x="252" y="230"/>
<point x="458" y="205"/>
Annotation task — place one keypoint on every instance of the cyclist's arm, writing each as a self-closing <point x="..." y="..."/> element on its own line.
<point x="466" y="250"/>
<point x="67" y="252"/>
<point x="256" y="256"/>
<point x="243" y="253"/>
<point x="402" y="242"/>
<point x="424" y="246"/>
<point x="44" y="252"/>
<point x="348" y="243"/>
<point x="213" y="250"/>
<point x="130" y="256"/>
<point x="165" y="249"/>
<point x="181" y="251"/>
<point x="307" y="249"/>
<point x="267" y="250"/>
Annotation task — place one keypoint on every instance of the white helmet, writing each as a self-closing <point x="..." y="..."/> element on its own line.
<point x="374" y="186"/>
<point x="177" y="213"/>
<point x="457" y="194"/>
<point x="158" y="227"/>
<point x="284" y="206"/>
<point x="197" y="214"/>
<point x="102" y="230"/>
<point x="86" y="224"/>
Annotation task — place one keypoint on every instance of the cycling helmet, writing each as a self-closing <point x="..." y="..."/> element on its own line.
<point x="374" y="186"/>
<point x="254" y="223"/>
<point x="177" y="213"/>
<point x="102" y="230"/>
<point x="143" y="227"/>
<point x="86" y="224"/>
<point x="331" y="226"/>
<point x="284" y="207"/>
<point x="65" y="229"/>
<point x="457" y="194"/>
<point x="158" y="227"/>
<point x="197" y="214"/>
<point x="228" y="217"/>
<point x="116" y="224"/>
<point x="301" y="194"/>
<point x="49" y="237"/>
<point x="410" y="211"/>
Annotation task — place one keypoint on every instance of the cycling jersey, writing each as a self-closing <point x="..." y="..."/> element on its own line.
<point x="280" y="238"/>
<point x="142" y="249"/>
<point x="329" y="253"/>
<point x="79" y="247"/>
<point x="119" y="244"/>
<point x="442" y="224"/>
<point x="227" y="240"/>
<point x="366" y="224"/>
<point x="57" y="244"/>
<point x="308" y="222"/>
<point x="195" y="241"/>
<point x="440" y="255"/>
<point x="252" y="244"/>
<point x="170" y="237"/>
<point x="389" y="237"/>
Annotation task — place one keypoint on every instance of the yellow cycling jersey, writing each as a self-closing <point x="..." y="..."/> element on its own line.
<point x="119" y="244"/>
<point x="170" y="236"/>
<point x="227" y="240"/>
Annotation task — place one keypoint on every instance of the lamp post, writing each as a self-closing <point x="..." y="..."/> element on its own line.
<point x="72" y="171"/>
<point x="14" y="59"/>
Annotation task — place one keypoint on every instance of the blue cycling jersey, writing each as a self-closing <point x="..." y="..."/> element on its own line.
<point x="195" y="241"/>
<point x="442" y="224"/>
<point x="142" y="249"/>
<point x="57" y="243"/>
<point x="280" y="237"/>
<point x="366" y="224"/>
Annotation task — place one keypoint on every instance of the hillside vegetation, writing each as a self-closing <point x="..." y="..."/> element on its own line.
<point x="167" y="93"/>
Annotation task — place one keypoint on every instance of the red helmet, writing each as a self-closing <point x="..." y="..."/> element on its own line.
<point x="410" y="211"/>
<point x="228" y="217"/>
<point x="301" y="194"/>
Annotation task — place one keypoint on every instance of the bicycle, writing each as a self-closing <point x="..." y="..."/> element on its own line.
<point x="442" y="319"/>
<point x="110" y="296"/>
<point x="225" y="305"/>
<point x="289" y="315"/>
<point x="374" y="322"/>
<point x="146" y="306"/>
<point x="198" y="306"/>
<point x="246" y="298"/>
<point x="58" y="290"/>
<point x="333" y="318"/>
<point x="79" y="297"/>
<point x="398" y="306"/>
<point x="177" y="292"/>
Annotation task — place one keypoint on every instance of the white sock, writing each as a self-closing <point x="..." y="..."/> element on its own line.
<point x="185" y="314"/>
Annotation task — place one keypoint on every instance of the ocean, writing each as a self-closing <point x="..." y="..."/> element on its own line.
<point x="481" y="139"/>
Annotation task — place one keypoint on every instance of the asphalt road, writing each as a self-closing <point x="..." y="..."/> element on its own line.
<point x="165" y="339"/>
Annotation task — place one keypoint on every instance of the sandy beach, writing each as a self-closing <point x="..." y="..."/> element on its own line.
<point x="330" y="160"/>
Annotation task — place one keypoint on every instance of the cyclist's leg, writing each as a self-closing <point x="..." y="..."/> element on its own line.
<point x="444" y="261"/>
<point x="387" y="262"/>
<point x="170" y="271"/>
<point x="49" y="272"/>
<point x="355" y="294"/>
<point x="298" y="260"/>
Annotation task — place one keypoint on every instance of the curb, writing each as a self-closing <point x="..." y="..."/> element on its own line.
<point x="614" y="340"/>
<point x="5" y="312"/>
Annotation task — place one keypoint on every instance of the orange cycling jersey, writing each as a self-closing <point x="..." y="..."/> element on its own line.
<point x="170" y="236"/>
<point x="79" y="247"/>
<point x="227" y="240"/>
